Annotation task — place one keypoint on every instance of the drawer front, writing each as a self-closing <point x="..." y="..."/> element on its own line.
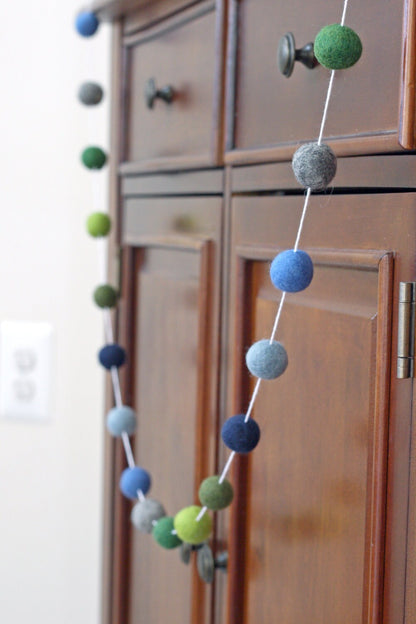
<point x="180" y="53"/>
<point x="271" y="111"/>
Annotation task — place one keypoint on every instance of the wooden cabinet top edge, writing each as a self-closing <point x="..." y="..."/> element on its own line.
<point x="112" y="10"/>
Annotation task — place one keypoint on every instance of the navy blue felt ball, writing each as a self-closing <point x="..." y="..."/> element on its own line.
<point x="86" y="23"/>
<point x="240" y="436"/>
<point x="134" y="479"/>
<point x="291" y="271"/>
<point x="112" y="355"/>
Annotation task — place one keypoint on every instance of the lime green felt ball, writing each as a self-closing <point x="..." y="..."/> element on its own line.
<point x="188" y="529"/>
<point x="105" y="296"/>
<point x="93" y="157"/>
<point x="215" y="495"/>
<point x="98" y="224"/>
<point x="162" y="533"/>
<point x="337" y="47"/>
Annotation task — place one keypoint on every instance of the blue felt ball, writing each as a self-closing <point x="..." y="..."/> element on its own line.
<point x="240" y="436"/>
<point x="134" y="479"/>
<point x="291" y="271"/>
<point x="267" y="360"/>
<point x="86" y="23"/>
<point x="120" y="419"/>
<point x="112" y="355"/>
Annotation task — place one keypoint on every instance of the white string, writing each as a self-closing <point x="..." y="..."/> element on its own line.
<point x="108" y="326"/>
<point x="102" y="259"/>
<point x="116" y="386"/>
<point x="253" y="398"/>
<point x="302" y="219"/>
<point x="282" y="300"/>
<point x="141" y="497"/>
<point x="127" y="449"/>
<point x="328" y="97"/>
<point x="227" y="467"/>
<point x="344" y="13"/>
<point x="201" y="513"/>
<point x="277" y="319"/>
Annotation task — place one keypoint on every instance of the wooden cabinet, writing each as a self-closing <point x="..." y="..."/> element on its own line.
<point x="321" y="525"/>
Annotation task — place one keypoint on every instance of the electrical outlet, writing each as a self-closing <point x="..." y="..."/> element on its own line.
<point x="25" y="370"/>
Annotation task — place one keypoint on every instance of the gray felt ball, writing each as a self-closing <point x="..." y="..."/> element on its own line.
<point x="90" y="93"/>
<point x="145" y="513"/>
<point x="266" y="360"/>
<point x="314" y="165"/>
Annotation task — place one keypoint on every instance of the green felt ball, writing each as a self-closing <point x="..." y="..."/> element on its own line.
<point x="162" y="533"/>
<point x="93" y="157"/>
<point x="98" y="224"/>
<point x="337" y="47"/>
<point x="215" y="495"/>
<point x="188" y="529"/>
<point x="105" y="296"/>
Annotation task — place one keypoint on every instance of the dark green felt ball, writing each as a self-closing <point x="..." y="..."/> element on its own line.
<point x="215" y="495"/>
<point x="105" y="296"/>
<point x="98" y="224"/>
<point x="93" y="157"/>
<point x="162" y="533"/>
<point x="337" y="47"/>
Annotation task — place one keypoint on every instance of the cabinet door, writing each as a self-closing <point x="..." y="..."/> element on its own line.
<point x="171" y="326"/>
<point x="308" y="528"/>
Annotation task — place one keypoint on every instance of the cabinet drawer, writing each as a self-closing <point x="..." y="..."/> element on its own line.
<point x="372" y="104"/>
<point x="178" y="52"/>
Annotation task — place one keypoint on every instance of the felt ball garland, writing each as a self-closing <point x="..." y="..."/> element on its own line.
<point x="112" y="355"/>
<point x="90" y="93"/>
<point x="98" y="224"/>
<point x="314" y="165"/>
<point x="93" y="157"/>
<point x="86" y="23"/>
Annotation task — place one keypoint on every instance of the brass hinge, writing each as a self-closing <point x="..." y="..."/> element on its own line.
<point x="406" y="330"/>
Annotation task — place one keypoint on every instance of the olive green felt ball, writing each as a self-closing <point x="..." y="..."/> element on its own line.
<point x="98" y="224"/>
<point x="188" y="529"/>
<point x="105" y="296"/>
<point x="215" y="495"/>
<point x="337" y="47"/>
<point x="162" y="533"/>
<point x="93" y="157"/>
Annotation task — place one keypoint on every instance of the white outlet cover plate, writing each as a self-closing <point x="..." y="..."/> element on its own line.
<point x="26" y="352"/>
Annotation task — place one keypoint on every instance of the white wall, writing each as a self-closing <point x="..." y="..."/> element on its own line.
<point x="51" y="473"/>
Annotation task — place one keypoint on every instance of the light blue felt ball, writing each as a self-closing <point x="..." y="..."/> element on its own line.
<point x="266" y="360"/>
<point x="120" y="419"/>
<point x="134" y="479"/>
<point x="86" y="23"/>
<point x="291" y="271"/>
<point x="240" y="436"/>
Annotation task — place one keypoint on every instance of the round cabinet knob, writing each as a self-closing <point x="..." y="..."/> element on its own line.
<point x="151" y="93"/>
<point x="207" y="564"/>
<point x="287" y="55"/>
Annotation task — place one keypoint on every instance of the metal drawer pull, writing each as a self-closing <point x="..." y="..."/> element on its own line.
<point x="287" y="55"/>
<point x="151" y="93"/>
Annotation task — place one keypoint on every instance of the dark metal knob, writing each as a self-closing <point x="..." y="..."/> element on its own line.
<point x="151" y="93"/>
<point x="287" y="55"/>
<point x="207" y="564"/>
